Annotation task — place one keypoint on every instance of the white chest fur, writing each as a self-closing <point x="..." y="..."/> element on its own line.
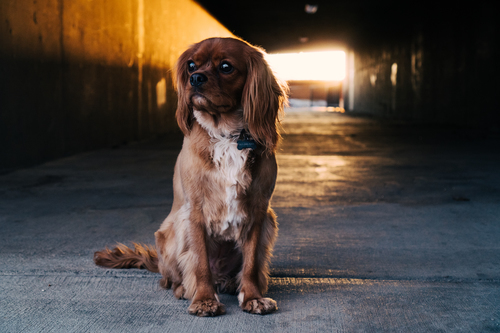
<point x="230" y="177"/>
<point x="230" y="163"/>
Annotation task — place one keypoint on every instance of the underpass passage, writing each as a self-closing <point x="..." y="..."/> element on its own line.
<point x="384" y="226"/>
<point x="84" y="75"/>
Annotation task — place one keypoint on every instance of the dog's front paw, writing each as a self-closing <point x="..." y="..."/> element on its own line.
<point x="260" y="306"/>
<point x="207" y="308"/>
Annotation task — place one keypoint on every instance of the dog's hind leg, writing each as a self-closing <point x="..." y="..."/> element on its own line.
<point x="166" y="246"/>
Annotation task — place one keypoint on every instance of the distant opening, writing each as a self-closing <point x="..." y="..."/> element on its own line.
<point x="309" y="66"/>
<point x="315" y="78"/>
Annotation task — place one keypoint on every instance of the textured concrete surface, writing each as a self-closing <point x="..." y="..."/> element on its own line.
<point x="384" y="227"/>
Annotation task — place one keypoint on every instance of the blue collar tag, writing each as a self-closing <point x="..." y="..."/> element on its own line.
<point x="245" y="141"/>
<point x="246" y="144"/>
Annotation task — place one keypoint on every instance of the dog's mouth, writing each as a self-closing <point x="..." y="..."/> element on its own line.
<point x="199" y="100"/>
<point x="202" y="103"/>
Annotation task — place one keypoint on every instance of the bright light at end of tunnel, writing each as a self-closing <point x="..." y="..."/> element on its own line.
<point x="314" y="66"/>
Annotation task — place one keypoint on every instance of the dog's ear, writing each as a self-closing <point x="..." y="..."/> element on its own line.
<point x="184" y="114"/>
<point x="264" y="98"/>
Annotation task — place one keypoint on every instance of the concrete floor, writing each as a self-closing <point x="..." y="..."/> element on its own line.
<point x="384" y="227"/>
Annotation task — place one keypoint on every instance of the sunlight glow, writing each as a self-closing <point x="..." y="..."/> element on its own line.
<point x="322" y="66"/>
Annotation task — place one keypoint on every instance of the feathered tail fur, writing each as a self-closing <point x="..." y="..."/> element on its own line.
<point x="142" y="256"/>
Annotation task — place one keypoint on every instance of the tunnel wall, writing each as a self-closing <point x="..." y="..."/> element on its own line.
<point x="444" y="70"/>
<point x="87" y="74"/>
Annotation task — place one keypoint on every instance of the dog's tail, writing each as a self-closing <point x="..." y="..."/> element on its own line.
<point x="142" y="256"/>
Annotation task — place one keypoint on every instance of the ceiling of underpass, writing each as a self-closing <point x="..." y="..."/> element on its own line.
<point x="284" y="24"/>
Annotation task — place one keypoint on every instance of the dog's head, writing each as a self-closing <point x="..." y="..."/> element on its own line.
<point x="223" y="75"/>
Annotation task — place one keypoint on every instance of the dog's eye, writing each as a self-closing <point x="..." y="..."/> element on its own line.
<point x="191" y="66"/>
<point x="226" y="67"/>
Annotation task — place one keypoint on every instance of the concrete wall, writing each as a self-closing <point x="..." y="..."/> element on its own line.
<point x="442" y="70"/>
<point x="77" y="75"/>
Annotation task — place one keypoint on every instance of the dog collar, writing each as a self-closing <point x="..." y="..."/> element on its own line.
<point x="245" y="141"/>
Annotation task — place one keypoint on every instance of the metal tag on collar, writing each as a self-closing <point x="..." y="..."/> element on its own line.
<point x="245" y="141"/>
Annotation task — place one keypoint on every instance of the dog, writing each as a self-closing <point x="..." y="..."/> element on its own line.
<point x="219" y="235"/>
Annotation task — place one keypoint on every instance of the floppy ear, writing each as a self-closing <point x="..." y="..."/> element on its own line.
<point x="264" y="99"/>
<point x="184" y="114"/>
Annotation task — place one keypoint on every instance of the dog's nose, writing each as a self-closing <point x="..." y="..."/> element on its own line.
<point x="198" y="79"/>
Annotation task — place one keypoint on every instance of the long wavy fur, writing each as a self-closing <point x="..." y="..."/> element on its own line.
<point x="142" y="256"/>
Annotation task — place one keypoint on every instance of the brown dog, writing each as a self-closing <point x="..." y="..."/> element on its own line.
<point x="221" y="230"/>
